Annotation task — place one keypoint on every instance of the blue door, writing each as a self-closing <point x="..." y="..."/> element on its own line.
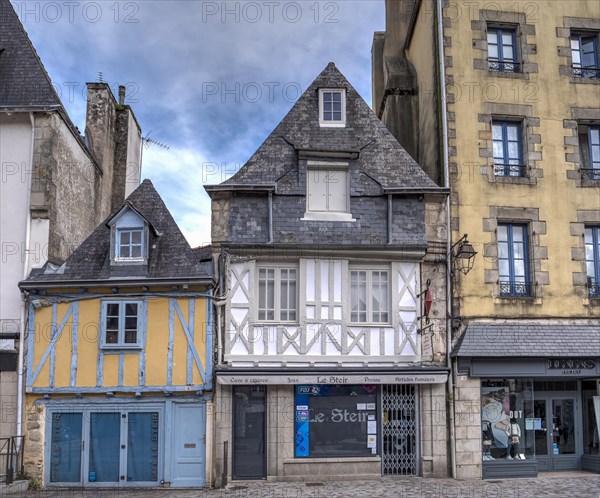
<point x="189" y="441"/>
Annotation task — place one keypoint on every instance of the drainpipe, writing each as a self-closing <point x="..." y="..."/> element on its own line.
<point x="450" y="384"/>
<point x="20" y="364"/>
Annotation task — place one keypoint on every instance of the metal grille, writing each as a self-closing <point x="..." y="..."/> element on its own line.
<point x="400" y="430"/>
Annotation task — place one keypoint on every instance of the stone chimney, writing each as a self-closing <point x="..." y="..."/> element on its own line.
<point x="114" y="138"/>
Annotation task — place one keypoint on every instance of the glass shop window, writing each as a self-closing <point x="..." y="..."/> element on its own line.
<point x="336" y="421"/>
<point x="591" y="417"/>
<point x="507" y="419"/>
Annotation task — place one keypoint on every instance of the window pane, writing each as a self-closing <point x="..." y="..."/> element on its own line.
<point x="125" y="237"/>
<point x="131" y="336"/>
<point x="512" y="131"/>
<point x="493" y="37"/>
<point x="112" y="309"/>
<point x="497" y="131"/>
<point x="499" y="151"/>
<point x="594" y="136"/>
<point x="136" y="252"/>
<point x="513" y="150"/>
<point x="503" y="267"/>
<point x="502" y="233"/>
<point x="507" y="39"/>
<point x="492" y="51"/>
<point x="131" y="309"/>
<point x="142" y="447"/>
<point x="519" y="267"/>
<point x="136" y="237"/>
<point x="112" y="337"/>
<point x="65" y="458"/>
<point x="105" y="434"/>
<point x="517" y="234"/>
<point x="125" y="252"/>
<point x="508" y="53"/>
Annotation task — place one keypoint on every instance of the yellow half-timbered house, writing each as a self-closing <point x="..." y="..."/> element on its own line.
<point x="119" y="360"/>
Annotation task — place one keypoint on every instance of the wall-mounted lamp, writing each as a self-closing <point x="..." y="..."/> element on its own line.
<point x="463" y="256"/>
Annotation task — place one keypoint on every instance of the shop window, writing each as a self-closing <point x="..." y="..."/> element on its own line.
<point x="369" y="296"/>
<point x="502" y="50"/>
<point x="589" y="150"/>
<point x="277" y="294"/>
<point x="121" y="323"/>
<point x="584" y="55"/>
<point x="592" y="260"/>
<point x="336" y="421"/>
<point x="94" y="439"/>
<point x="508" y="148"/>
<point x="507" y="419"/>
<point x="591" y="417"/>
<point x="513" y="260"/>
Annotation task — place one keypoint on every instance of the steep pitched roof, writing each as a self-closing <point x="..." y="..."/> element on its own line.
<point x="170" y="255"/>
<point x="381" y="157"/>
<point x="24" y="81"/>
<point x="499" y="340"/>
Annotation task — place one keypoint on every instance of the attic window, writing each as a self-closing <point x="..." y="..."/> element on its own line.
<point x="327" y="191"/>
<point x="332" y="107"/>
<point x="129" y="244"/>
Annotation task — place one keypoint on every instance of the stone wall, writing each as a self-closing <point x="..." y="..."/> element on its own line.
<point x="64" y="181"/>
<point x="34" y="430"/>
<point x="467" y="417"/>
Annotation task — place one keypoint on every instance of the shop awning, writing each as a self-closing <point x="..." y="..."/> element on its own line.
<point x="336" y="376"/>
<point x="529" y="339"/>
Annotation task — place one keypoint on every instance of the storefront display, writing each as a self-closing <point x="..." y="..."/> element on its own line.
<point x="507" y="421"/>
<point x="336" y="421"/>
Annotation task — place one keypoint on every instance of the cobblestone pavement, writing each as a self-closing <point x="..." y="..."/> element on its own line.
<point x="587" y="486"/>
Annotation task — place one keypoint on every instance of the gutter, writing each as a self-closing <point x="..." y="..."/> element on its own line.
<point x="47" y="284"/>
<point x="240" y="187"/>
<point x="450" y="385"/>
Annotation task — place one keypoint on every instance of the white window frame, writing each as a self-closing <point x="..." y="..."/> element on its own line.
<point x="326" y="169"/>
<point x="277" y="294"/>
<point x="121" y="344"/>
<point x="369" y="288"/>
<point x="118" y="232"/>
<point x="329" y="123"/>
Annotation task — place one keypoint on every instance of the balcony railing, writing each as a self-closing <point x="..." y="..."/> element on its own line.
<point x="515" y="170"/>
<point x="590" y="173"/>
<point x="586" y="72"/>
<point x="11" y="458"/>
<point x="593" y="288"/>
<point x="515" y="289"/>
<point x="504" y="66"/>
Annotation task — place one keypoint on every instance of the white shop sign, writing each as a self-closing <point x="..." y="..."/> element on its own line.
<point x="411" y="378"/>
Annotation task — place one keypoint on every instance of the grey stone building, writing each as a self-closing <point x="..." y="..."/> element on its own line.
<point x="328" y="240"/>
<point x="57" y="184"/>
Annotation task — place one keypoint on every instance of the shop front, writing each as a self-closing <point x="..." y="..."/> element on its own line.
<point x="538" y="414"/>
<point x="325" y="426"/>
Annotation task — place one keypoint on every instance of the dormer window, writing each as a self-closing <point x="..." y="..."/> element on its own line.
<point x="332" y="107"/>
<point x="129" y="233"/>
<point x="130" y="243"/>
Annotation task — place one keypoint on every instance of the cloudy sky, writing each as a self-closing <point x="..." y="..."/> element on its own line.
<point x="210" y="79"/>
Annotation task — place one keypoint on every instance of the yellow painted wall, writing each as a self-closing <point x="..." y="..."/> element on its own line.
<point x="557" y="197"/>
<point x="157" y="337"/>
<point x="422" y="54"/>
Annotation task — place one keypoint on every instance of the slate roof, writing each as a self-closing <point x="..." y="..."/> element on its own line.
<point x="24" y="81"/>
<point x="381" y="157"/>
<point x="493" y="340"/>
<point x="170" y="255"/>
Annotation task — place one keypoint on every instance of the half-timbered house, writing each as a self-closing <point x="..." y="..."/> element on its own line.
<point x="327" y="240"/>
<point x="119" y="356"/>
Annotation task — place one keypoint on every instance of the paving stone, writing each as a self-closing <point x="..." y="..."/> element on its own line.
<point x="580" y="486"/>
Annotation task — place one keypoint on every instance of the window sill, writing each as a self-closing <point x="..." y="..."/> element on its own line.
<point x="513" y="76"/>
<point x="515" y="180"/>
<point x="121" y="347"/>
<point x="326" y="124"/>
<point x="326" y="216"/>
